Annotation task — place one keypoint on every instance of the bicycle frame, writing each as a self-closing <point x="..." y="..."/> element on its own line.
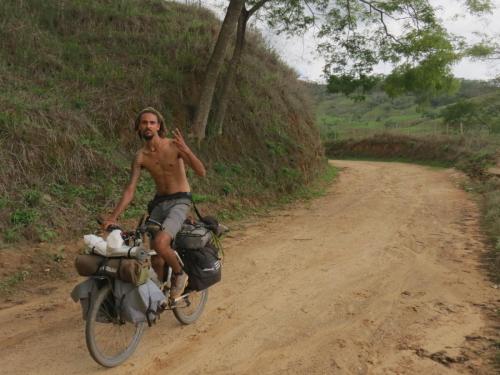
<point x="186" y="308"/>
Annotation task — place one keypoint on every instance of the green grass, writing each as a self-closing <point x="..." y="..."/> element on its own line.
<point x="314" y="189"/>
<point x="9" y="284"/>
<point x="12" y="234"/>
<point x="24" y="217"/>
<point x="339" y="117"/>
<point x="66" y="135"/>
<point x="488" y="191"/>
<point x="317" y="188"/>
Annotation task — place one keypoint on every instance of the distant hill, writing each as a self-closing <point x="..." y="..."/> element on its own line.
<point x="74" y="74"/>
<point x="340" y="117"/>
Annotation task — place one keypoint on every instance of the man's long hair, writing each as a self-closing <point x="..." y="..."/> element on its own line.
<point x="163" y="130"/>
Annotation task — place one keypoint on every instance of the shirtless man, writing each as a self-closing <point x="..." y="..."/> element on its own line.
<point x="165" y="160"/>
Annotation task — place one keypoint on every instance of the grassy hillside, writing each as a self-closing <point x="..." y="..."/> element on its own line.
<point x="73" y="75"/>
<point x="341" y="117"/>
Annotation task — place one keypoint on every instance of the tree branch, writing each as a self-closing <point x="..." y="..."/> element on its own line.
<point x="312" y="13"/>
<point x="349" y="14"/>
<point x="256" y="7"/>
<point x="378" y="10"/>
<point x="382" y="20"/>
<point x="349" y="18"/>
<point x="411" y="8"/>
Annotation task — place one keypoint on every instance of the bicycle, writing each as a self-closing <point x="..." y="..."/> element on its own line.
<point x="110" y="339"/>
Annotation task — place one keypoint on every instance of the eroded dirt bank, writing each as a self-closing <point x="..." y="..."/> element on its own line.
<point x="380" y="276"/>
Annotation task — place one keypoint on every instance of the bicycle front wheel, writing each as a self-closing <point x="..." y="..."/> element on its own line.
<point x="110" y="340"/>
<point x="189" y="309"/>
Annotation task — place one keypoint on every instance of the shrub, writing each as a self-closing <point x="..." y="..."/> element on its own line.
<point x="24" y="217"/>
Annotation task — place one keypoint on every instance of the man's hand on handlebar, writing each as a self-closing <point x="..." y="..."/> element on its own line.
<point x="108" y="224"/>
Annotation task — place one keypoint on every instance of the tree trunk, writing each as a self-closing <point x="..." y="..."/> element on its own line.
<point x="214" y="67"/>
<point x="220" y="113"/>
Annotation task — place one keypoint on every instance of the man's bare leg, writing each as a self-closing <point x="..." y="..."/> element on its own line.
<point x="162" y="246"/>
<point x="158" y="265"/>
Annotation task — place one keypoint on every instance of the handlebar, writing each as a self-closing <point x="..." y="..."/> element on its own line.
<point x="110" y="227"/>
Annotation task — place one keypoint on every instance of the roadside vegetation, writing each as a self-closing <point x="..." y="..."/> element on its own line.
<point x="473" y="112"/>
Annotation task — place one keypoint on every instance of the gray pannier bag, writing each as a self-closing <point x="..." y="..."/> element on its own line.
<point x="192" y="236"/>
<point x="138" y="304"/>
<point x="135" y="304"/>
<point x="85" y="292"/>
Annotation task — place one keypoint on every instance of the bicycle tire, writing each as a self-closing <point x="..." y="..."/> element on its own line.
<point x="102" y="309"/>
<point x="189" y="310"/>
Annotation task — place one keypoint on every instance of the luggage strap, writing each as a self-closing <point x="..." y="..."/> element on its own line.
<point x="150" y="311"/>
<point x="197" y="212"/>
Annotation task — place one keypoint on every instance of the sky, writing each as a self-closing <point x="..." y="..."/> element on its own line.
<point x="300" y="52"/>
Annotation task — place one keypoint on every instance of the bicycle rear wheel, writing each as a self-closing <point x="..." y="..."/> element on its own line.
<point x="110" y="340"/>
<point x="189" y="309"/>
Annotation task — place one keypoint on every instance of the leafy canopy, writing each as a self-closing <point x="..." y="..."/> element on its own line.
<point x="462" y="112"/>
<point x="358" y="35"/>
<point x="484" y="112"/>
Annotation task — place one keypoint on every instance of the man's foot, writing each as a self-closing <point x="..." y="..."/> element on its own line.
<point x="181" y="280"/>
<point x="163" y="306"/>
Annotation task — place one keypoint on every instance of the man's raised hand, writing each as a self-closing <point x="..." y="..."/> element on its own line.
<point x="180" y="142"/>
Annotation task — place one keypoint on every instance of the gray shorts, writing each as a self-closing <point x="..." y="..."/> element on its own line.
<point x="171" y="213"/>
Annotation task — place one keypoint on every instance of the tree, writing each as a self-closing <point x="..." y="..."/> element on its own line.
<point x="356" y="35"/>
<point x="214" y="66"/>
<point x="220" y="113"/>
<point x="467" y="114"/>
<point x="359" y="34"/>
<point x="460" y="113"/>
<point x="489" y="47"/>
<point x="203" y="110"/>
<point x="484" y="50"/>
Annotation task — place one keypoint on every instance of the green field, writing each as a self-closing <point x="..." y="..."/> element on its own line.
<point x="340" y="117"/>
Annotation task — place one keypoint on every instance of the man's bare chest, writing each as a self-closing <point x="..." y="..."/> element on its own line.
<point x="161" y="161"/>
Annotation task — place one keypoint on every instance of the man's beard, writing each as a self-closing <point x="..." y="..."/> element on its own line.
<point x="147" y="136"/>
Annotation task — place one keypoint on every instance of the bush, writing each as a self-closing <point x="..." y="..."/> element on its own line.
<point x="24" y="217"/>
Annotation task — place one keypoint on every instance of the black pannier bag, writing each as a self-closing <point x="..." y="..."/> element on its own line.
<point x="193" y="236"/>
<point x="203" y="266"/>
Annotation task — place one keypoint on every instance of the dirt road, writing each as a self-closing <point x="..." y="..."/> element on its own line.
<point x="380" y="276"/>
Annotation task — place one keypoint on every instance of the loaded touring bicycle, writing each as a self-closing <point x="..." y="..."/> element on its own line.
<point x="122" y="292"/>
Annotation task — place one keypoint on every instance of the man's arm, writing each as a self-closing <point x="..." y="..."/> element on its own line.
<point x="128" y="193"/>
<point x="187" y="155"/>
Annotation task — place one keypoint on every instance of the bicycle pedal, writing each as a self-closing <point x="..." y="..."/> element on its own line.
<point x="165" y="286"/>
<point x="178" y="299"/>
<point x="163" y="306"/>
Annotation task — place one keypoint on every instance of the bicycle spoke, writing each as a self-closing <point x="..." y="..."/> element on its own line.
<point x="189" y="309"/>
<point x="109" y="340"/>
